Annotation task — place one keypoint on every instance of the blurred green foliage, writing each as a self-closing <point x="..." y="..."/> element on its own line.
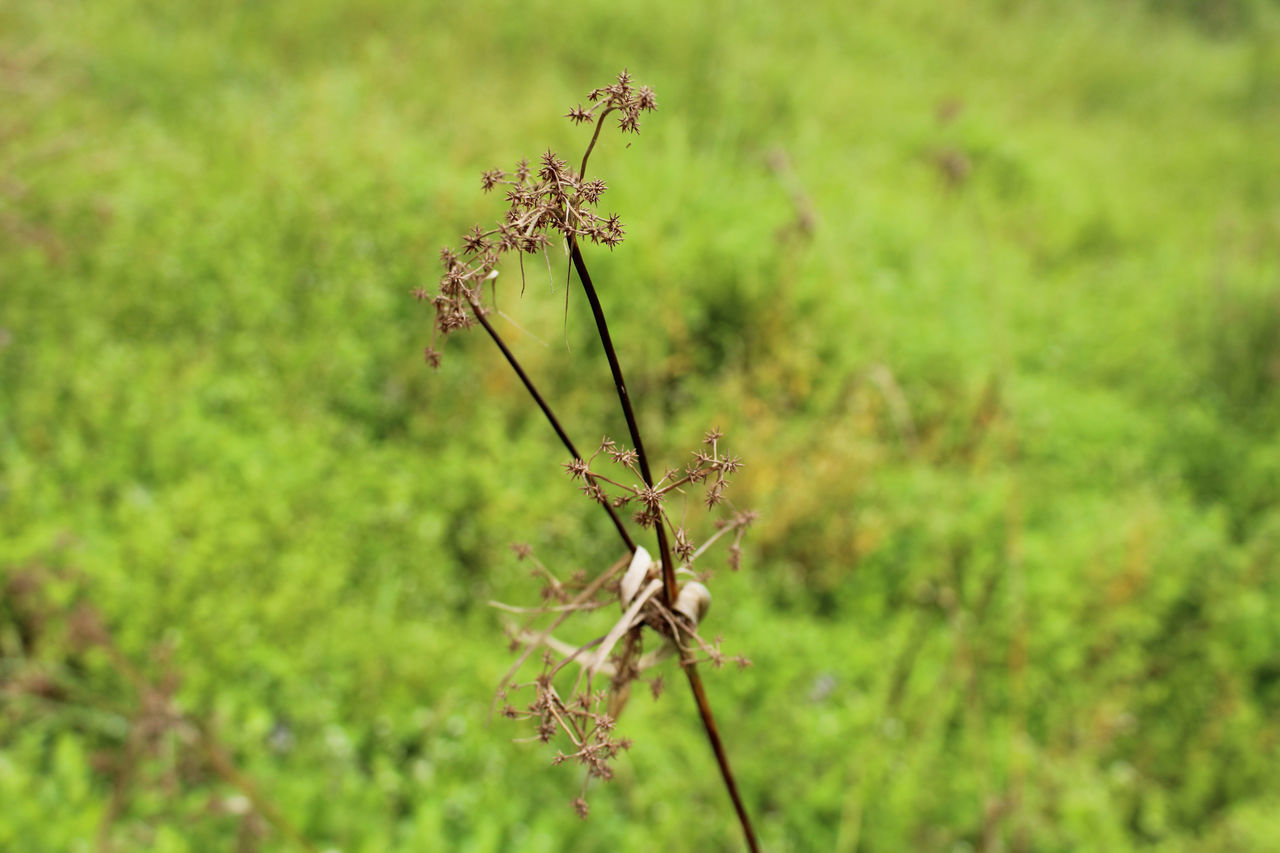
<point x="986" y="294"/>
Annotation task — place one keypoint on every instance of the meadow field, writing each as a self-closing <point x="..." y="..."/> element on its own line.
<point x="985" y="294"/>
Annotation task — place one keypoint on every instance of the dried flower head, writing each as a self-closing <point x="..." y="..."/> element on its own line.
<point x="550" y="203"/>
<point x="580" y="689"/>
<point x="575" y="710"/>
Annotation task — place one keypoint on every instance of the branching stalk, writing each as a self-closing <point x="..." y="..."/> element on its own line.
<point x="664" y="548"/>
<point x="668" y="565"/>
<point x="550" y="199"/>
<point x="546" y="411"/>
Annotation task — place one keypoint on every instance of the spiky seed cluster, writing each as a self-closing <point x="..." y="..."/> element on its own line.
<point x="545" y="199"/>
<point x="583" y="719"/>
<point x="708" y="467"/>
<point x="542" y="200"/>
<point x="585" y="716"/>
<point x="582" y="715"/>
<point x="622" y="96"/>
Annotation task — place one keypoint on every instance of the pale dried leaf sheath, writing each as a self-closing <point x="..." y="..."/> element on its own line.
<point x="647" y="661"/>
<point x="694" y="601"/>
<point x="632" y="580"/>
<point x="622" y="626"/>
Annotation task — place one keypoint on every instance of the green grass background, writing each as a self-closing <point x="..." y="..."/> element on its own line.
<point x="1013" y="436"/>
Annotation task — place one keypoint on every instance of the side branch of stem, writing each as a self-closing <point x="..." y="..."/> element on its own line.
<point x="664" y="547"/>
<point x="478" y="311"/>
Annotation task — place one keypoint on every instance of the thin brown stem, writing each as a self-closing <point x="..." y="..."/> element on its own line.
<point x="717" y="746"/>
<point x="664" y="547"/>
<point x="668" y="565"/>
<point x="478" y="311"/>
<point x="582" y="171"/>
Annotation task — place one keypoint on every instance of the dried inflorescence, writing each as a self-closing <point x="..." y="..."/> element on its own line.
<point x="662" y="601"/>
<point x="550" y="198"/>
<point x="622" y="96"/>
<point x="581" y="711"/>
<point x="707" y="467"/>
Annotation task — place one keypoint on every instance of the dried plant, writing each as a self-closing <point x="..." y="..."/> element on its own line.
<point x="581" y="687"/>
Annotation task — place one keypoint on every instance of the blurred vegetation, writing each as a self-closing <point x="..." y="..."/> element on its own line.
<point x="987" y="295"/>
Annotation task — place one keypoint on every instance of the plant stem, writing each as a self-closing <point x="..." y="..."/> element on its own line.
<point x="586" y="155"/>
<point x="664" y="548"/>
<point x="722" y="758"/>
<point x="478" y="311"/>
<point x="668" y="565"/>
